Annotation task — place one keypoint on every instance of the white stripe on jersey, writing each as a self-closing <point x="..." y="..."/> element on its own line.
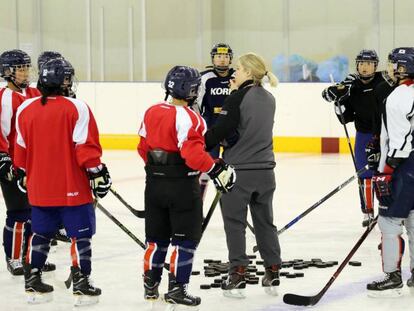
<point x="400" y="125"/>
<point x="6" y="112"/>
<point x="26" y="103"/>
<point x="183" y="124"/>
<point x="80" y="132"/>
<point x="200" y="120"/>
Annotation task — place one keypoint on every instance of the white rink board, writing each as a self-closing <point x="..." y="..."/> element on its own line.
<point x="329" y="233"/>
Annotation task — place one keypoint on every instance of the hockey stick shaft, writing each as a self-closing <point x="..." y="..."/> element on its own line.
<point x="120" y="225"/>
<point x="326" y="197"/>
<point x="137" y="213"/>
<point x="342" y="118"/>
<point x="210" y="211"/>
<point x="299" y="300"/>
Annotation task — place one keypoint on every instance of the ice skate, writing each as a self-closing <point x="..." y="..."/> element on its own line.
<point x="178" y="294"/>
<point x="235" y="284"/>
<point x="391" y="286"/>
<point x="410" y="281"/>
<point x="83" y="290"/>
<point x="150" y="287"/>
<point x="271" y="281"/>
<point x="14" y="266"/>
<point x="37" y="291"/>
<point x="48" y="267"/>
<point x="61" y="236"/>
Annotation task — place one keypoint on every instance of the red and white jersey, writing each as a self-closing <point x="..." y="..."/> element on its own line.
<point x="397" y="132"/>
<point x="9" y="102"/>
<point x="55" y="144"/>
<point x="175" y="129"/>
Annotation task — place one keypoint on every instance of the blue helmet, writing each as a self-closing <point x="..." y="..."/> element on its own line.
<point x="366" y="56"/>
<point x="403" y="57"/>
<point x="10" y="61"/>
<point x="182" y="82"/>
<point x="56" y="73"/>
<point x="46" y="56"/>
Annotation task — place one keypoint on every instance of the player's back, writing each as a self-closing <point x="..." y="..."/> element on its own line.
<point x="50" y="133"/>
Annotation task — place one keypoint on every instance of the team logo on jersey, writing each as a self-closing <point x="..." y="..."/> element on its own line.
<point x="220" y="91"/>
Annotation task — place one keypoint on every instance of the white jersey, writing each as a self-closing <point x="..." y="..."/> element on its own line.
<point x="398" y="124"/>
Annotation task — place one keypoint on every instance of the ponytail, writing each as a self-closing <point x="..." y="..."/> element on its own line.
<point x="273" y="80"/>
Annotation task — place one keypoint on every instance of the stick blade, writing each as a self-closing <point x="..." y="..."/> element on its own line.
<point x="298" y="300"/>
<point x="138" y="213"/>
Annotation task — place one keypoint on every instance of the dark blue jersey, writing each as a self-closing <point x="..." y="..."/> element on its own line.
<point x="213" y="91"/>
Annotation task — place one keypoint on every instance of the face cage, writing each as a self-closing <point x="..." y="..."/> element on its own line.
<point x="71" y="87"/>
<point x="24" y="83"/>
<point x="401" y="75"/>
<point x="370" y="61"/>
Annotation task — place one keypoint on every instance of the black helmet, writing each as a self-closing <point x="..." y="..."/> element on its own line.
<point x="56" y="73"/>
<point x="221" y="48"/>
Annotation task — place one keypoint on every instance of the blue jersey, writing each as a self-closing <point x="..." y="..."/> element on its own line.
<point x="213" y="91"/>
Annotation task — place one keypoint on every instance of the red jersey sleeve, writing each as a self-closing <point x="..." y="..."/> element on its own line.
<point x="86" y="136"/>
<point x="190" y="129"/>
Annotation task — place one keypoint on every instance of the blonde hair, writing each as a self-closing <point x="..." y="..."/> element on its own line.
<point x="257" y="67"/>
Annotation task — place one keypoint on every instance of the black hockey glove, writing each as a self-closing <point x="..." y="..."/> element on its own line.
<point x="373" y="153"/>
<point x="20" y="175"/>
<point x="223" y="176"/>
<point x="100" y="180"/>
<point x="349" y="80"/>
<point x="383" y="185"/>
<point x="6" y="167"/>
<point x="337" y="93"/>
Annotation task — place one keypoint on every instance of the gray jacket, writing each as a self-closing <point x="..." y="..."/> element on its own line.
<point x="246" y="125"/>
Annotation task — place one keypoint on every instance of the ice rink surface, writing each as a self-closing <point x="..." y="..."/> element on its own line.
<point x="329" y="233"/>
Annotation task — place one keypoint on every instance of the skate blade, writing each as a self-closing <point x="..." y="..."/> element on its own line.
<point x="178" y="307"/>
<point x="389" y="293"/>
<point x="237" y="293"/>
<point x="85" y="300"/>
<point x="271" y="290"/>
<point x="35" y="298"/>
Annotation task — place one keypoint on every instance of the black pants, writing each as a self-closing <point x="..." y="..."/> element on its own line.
<point x="15" y="199"/>
<point x="173" y="208"/>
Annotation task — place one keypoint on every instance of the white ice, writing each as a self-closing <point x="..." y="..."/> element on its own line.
<point x="329" y="233"/>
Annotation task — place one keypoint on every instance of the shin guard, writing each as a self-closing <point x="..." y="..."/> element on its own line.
<point x="81" y="253"/>
<point x="37" y="250"/>
<point x="154" y="257"/>
<point x="181" y="262"/>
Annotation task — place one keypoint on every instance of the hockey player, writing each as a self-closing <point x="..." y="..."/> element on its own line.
<point x="394" y="185"/>
<point x="61" y="166"/>
<point x="43" y="58"/>
<point x="15" y="66"/>
<point x="172" y="147"/>
<point x="355" y="102"/>
<point x="249" y="111"/>
<point x="214" y="89"/>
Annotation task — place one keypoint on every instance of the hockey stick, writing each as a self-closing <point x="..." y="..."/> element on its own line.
<point x="341" y="116"/>
<point x="138" y="213"/>
<point x="120" y="225"/>
<point x="299" y="300"/>
<point x="326" y="197"/>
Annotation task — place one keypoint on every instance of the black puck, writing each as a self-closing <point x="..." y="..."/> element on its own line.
<point x="216" y="261"/>
<point x="299" y="274"/>
<point x="251" y="256"/>
<point x="316" y="260"/>
<point x="218" y="281"/>
<point x="205" y="286"/>
<point x="260" y="273"/>
<point x="355" y="263"/>
<point x="331" y="263"/>
<point x="283" y="273"/>
<point x="297" y="267"/>
<point x="195" y="272"/>
<point x="320" y="265"/>
<point x="291" y="276"/>
<point x="208" y="260"/>
<point x="259" y="262"/>
<point x="298" y="260"/>
<point x="215" y="285"/>
<point x="252" y="282"/>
